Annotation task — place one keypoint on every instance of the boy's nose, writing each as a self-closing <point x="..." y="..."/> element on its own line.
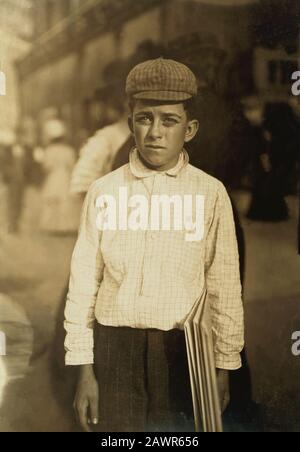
<point x="155" y="130"/>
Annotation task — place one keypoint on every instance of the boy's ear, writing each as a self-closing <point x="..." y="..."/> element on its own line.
<point x="130" y="124"/>
<point x="191" y="130"/>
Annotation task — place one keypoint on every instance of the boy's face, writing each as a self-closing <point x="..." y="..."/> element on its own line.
<point x="160" y="131"/>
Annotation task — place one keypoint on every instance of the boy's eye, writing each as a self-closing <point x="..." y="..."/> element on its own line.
<point x="170" y="122"/>
<point x="143" y="119"/>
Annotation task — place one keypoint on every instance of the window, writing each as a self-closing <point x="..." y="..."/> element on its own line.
<point x="286" y="70"/>
<point x="280" y="71"/>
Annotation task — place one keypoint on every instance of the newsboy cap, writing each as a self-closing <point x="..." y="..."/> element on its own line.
<point x="161" y="79"/>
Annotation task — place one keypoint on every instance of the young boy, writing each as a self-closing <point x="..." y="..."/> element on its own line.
<point x="132" y="285"/>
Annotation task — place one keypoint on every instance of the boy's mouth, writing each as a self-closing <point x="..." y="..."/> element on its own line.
<point x="154" y="146"/>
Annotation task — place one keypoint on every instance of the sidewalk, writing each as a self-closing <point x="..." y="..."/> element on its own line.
<point x="272" y="302"/>
<point x="33" y="281"/>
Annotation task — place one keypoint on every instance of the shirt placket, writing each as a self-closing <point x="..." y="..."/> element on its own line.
<point x="149" y="266"/>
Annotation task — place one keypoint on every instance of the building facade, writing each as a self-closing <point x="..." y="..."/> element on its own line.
<point x="15" y="36"/>
<point x="75" y="40"/>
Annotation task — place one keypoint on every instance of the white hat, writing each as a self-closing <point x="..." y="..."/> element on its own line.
<point x="54" y="129"/>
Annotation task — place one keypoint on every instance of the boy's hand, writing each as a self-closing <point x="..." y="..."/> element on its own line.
<point x="223" y="387"/>
<point x="87" y="398"/>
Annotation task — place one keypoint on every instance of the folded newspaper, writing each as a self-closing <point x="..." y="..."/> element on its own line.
<point x="199" y="343"/>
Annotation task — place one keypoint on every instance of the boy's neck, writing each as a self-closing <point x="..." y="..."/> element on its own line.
<point x="166" y="167"/>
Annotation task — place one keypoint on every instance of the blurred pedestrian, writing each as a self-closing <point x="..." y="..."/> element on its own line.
<point x="259" y="150"/>
<point x="28" y="177"/>
<point x="60" y="210"/>
<point x="98" y="154"/>
<point x="6" y="175"/>
<point x="276" y="165"/>
<point x="27" y="172"/>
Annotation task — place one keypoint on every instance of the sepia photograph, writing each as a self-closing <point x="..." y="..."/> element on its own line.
<point x="149" y="218"/>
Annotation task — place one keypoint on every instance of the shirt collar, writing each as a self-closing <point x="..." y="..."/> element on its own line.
<point x="139" y="170"/>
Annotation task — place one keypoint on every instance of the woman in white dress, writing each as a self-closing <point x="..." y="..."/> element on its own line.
<point x="60" y="209"/>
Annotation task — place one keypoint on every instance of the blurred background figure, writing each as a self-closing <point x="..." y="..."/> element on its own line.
<point x="258" y="149"/>
<point x="275" y="163"/>
<point x="97" y="155"/>
<point x="60" y="211"/>
<point x="28" y="176"/>
<point x="7" y="139"/>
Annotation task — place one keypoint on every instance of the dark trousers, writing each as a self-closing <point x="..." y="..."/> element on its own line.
<point x="143" y="380"/>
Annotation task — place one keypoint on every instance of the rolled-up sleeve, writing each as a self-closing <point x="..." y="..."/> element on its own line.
<point x="86" y="275"/>
<point x="224" y="285"/>
<point x="94" y="162"/>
